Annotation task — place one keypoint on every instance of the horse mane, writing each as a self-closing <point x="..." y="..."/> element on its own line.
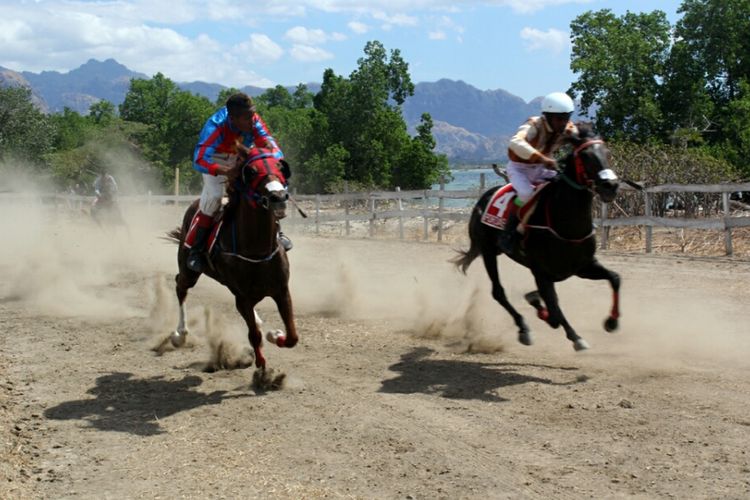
<point x="585" y="131"/>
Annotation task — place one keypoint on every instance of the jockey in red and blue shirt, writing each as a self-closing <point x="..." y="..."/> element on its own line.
<point x="214" y="157"/>
<point x="220" y="135"/>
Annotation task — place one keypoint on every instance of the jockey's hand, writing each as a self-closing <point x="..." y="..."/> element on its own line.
<point x="225" y="170"/>
<point x="550" y="163"/>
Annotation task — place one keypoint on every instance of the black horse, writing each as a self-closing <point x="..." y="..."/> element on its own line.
<point x="558" y="240"/>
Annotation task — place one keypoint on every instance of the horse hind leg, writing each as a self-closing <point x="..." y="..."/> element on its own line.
<point x="498" y="293"/>
<point x="183" y="284"/>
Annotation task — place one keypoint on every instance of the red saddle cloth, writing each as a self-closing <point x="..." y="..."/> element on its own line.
<point x="502" y="205"/>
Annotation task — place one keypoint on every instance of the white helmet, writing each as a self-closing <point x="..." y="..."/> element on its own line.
<point x="557" y="102"/>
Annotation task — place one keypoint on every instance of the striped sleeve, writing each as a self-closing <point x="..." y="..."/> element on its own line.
<point x="264" y="145"/>
<point x="210" y="137"/>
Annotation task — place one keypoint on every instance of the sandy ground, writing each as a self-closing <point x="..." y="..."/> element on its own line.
<point x="407" y="381"/>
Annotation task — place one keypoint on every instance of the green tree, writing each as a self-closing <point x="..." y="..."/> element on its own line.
<point x="25" y="132"/>
<point x="277" y="96"/>
<point x="363" y="115"/>
<point x="102" y="112"/>
<point x="419" y="167"/>
<point x="173" y="120"/>
<point x="715" y="35"/>
<point x="72" y="129"/>
<point x="620" y="62"/>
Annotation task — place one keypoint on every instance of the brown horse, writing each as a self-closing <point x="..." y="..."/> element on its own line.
<point x="559" y="237"/>
<point x="246" y="256"/>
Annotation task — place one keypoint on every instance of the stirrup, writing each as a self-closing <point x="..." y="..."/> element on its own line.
<point x="195" y="262"/>
<point x="285" y="241"/>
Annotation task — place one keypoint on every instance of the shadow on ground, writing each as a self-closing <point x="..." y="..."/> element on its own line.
<point x="459" y="379"/>
<point x="126" y="404"/>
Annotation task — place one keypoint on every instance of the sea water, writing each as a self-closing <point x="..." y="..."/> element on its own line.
<point x="464" y="179"/>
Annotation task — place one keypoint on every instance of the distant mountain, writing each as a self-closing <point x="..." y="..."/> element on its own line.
<point x="488" y="112"/>
<point x="460" y="145"/>
<point x="469" y="124"/>
<point x="10" y="78"/>
<point x="81" y="87"/>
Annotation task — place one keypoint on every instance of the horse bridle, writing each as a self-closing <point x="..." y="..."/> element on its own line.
<point x="267" y="201"/>
<point x="582" y="178"/>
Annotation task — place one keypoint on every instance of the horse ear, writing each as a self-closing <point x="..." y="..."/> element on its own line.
<point x="286" y="170"/>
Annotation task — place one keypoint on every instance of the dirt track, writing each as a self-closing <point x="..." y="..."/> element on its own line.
<point x="407" y="382"/>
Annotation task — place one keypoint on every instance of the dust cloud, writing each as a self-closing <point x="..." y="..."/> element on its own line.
<point x="669" y="317"/>
<point x="58" y="261"/>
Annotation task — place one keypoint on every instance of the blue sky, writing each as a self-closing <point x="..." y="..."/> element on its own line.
<point x="521" y="46"/>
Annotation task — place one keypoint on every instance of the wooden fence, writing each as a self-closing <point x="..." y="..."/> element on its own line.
<point x="402" y="205"/>
<point x="430" y="205"/>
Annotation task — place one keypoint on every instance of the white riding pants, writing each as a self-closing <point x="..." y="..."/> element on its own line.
<point x="214" y="186"/>
<point x="524" y="177"/>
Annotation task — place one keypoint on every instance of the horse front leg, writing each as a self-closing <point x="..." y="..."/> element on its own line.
<point x="246" y="308"/>
<point x="596" y="271"/>
<point x="284" y="305"/>
<point x="555" y="317"/>
<point x="498" y="293"/>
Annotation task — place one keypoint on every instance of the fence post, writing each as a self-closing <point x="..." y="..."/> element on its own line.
<point x="400" y="216"/>
<point x="727" y="230"/>
<point x="604" y="228"/>
<point x="292" y="213"/>
<point x="347" y="202"/>
<point x="176" y="183"/>
<point x="372" y="215"/>
<point x="425" y="206"/>
<point x="441" y="205"/>
<point x="317" y="214"/>
<point x="649" y="227"/>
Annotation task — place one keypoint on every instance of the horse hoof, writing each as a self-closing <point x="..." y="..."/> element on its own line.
<point x="276" y="337"/>
<point x="178" y="339"/>
<point x="611" y="324"/>
<point x="581" y="345"/>
<point x="525" y="338"/>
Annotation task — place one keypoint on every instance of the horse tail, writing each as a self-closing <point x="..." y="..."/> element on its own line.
<point x="465" y="257"/>
<point x="174" y="236"/>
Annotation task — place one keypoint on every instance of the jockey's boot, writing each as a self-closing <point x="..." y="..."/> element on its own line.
<point x="285" y="241"/>
<point x="509" y="236"/>
<point x="196" y="260"/>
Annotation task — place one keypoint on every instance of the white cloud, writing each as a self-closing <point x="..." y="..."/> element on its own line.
<point x="531" y="6"/>
<point x="444" y="25"/>
<point x="358" y="28"/>
<point x="304" y="36"/>
<point x="306" y="53"/>
<point x="148" y="36"/>
<point x="552" y="40"/>
<point x="401" y="20"/>
<point x="259" y="48"/>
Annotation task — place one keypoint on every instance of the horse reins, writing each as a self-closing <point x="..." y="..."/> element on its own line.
<point x="579" y="185"/>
